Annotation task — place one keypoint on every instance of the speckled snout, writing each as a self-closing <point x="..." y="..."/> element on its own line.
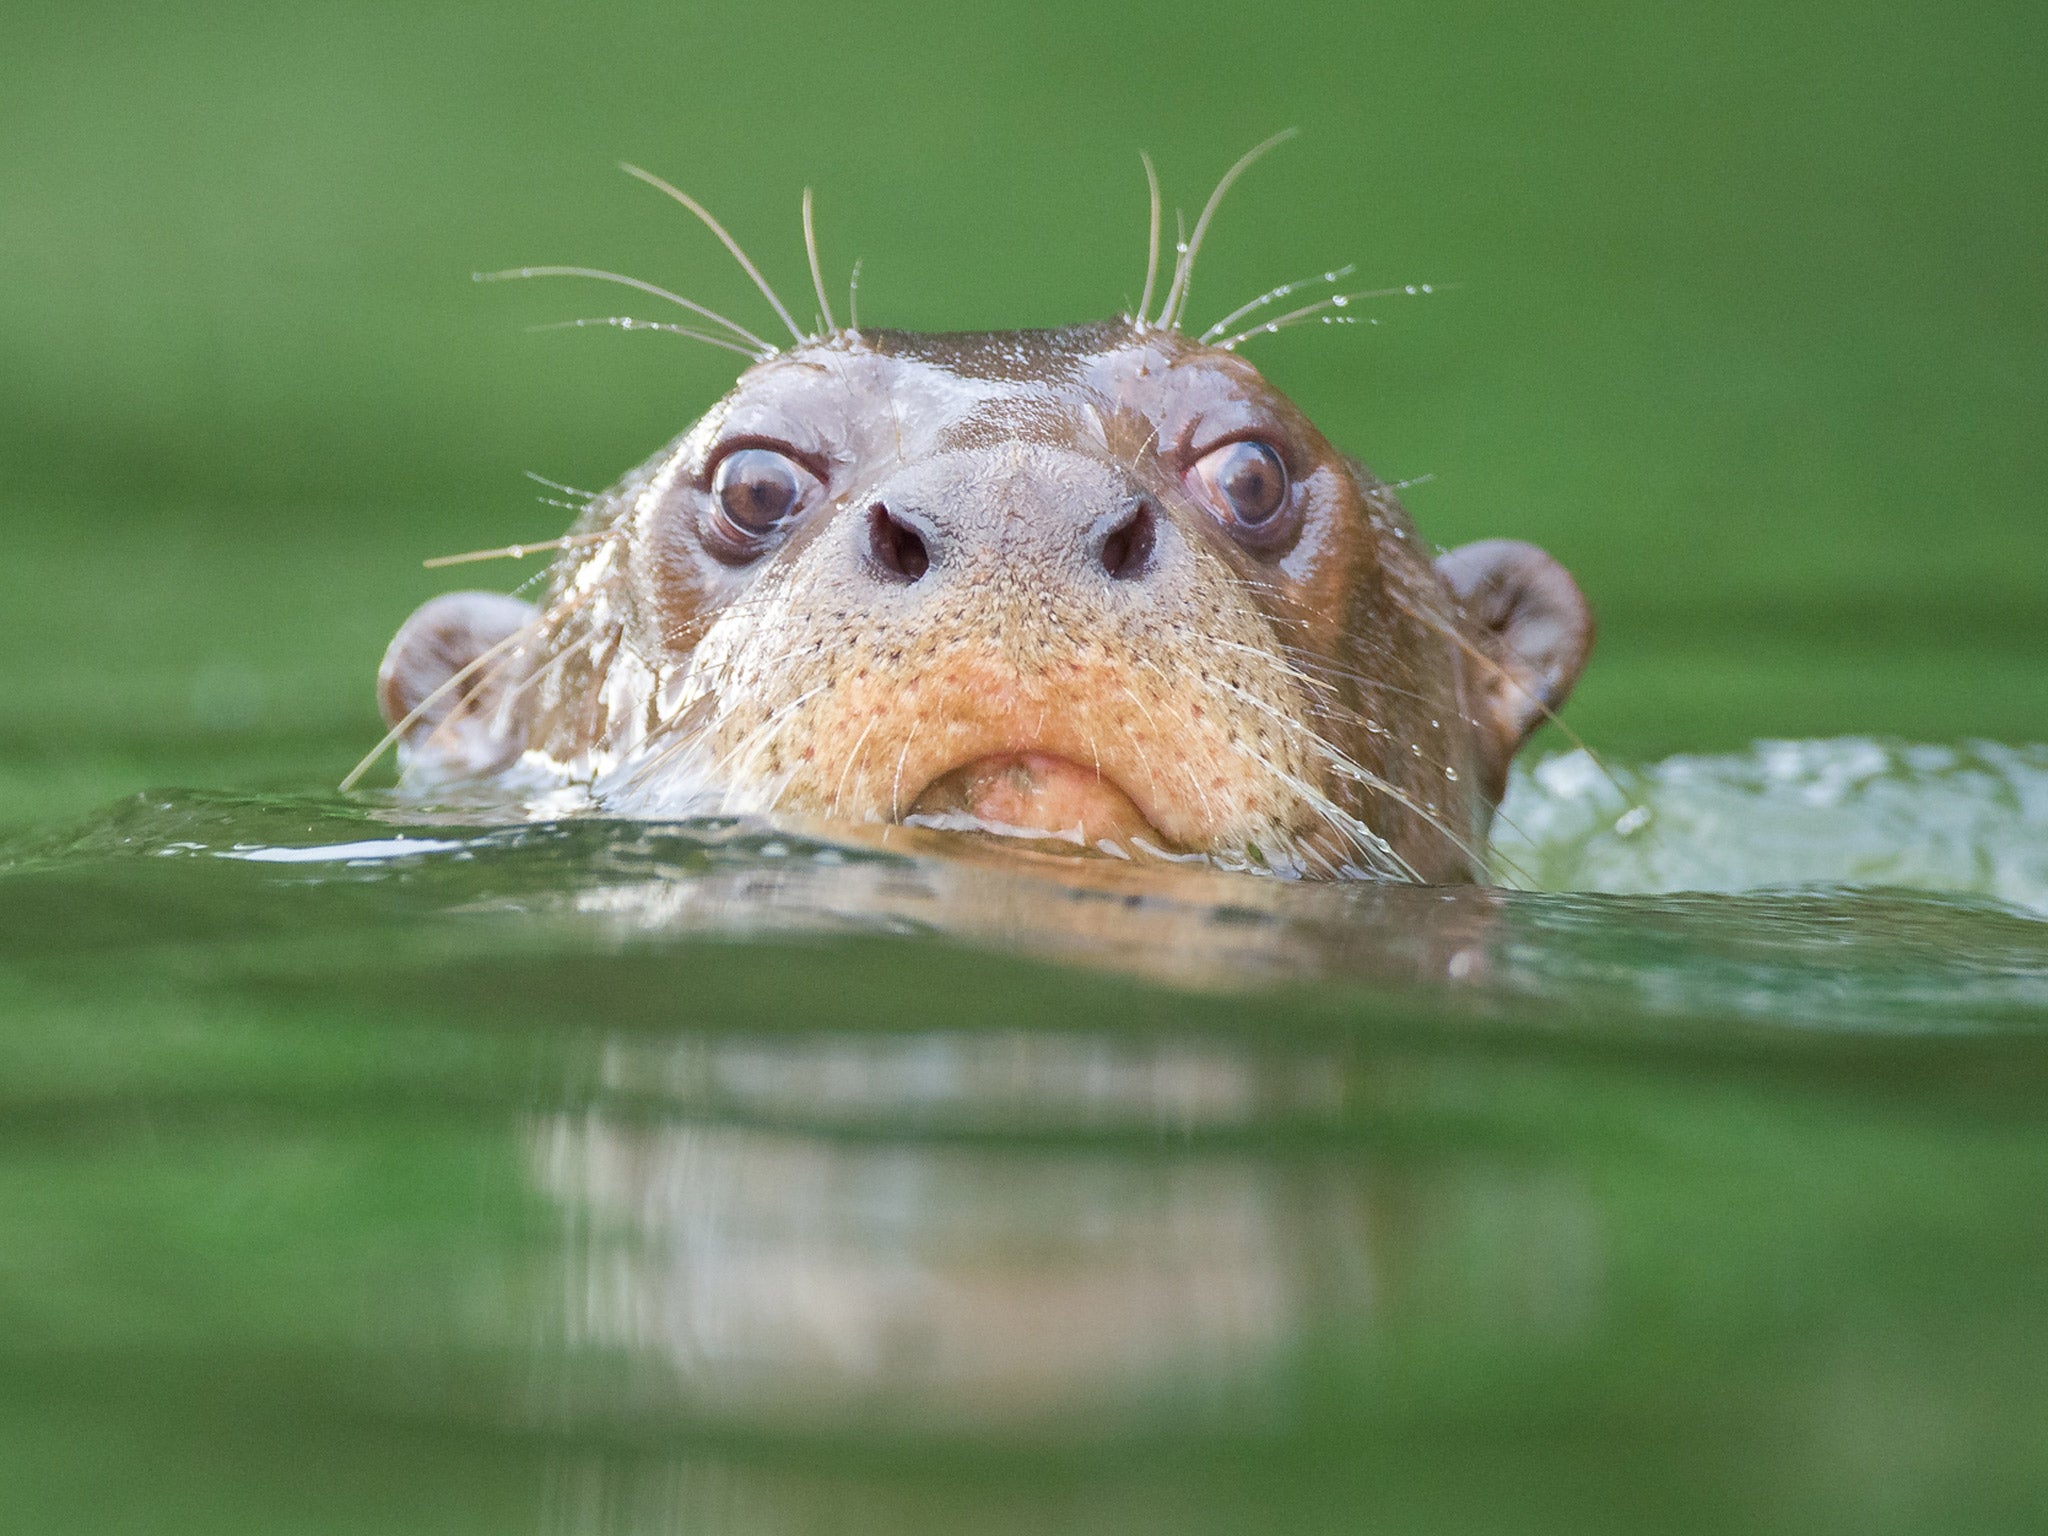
<point x="1014" y="602"/>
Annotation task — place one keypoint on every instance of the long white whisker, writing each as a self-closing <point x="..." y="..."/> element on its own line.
<point x="1332" y="813"/>
<point x="597" y="274"/>
<point x="496" y="652"/>
<point x="1347" y="768"/>
<point x="718" y="229"/>
<point x="817" y="272"/>
<point x="566" y="490"/>
<point x="854" y="755"/>
<point x="896" y="784"/>
<point x="515" y="551"/>
<point x="1151" y="240"/>
<point x="1310" y="311"/>
<point x="1279" y="663"/>
<point x="629" y="323"/>
<point x="1184" y="269"/>
<point x="1271" y="295"/>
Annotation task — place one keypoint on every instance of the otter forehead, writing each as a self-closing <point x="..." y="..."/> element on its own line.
<point x="1114" y="388"/>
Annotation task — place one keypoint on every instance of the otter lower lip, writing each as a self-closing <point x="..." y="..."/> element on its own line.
<point x="1035" y="793"/>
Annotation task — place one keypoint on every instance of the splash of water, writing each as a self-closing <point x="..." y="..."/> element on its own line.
<point x="1969" y="820"/>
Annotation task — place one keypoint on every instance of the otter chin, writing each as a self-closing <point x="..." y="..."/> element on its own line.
<point x="1035" y="795"/>
<point x="1103" y="585"/>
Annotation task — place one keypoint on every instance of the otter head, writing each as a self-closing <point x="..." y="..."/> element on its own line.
<point x="1103" y="584"/>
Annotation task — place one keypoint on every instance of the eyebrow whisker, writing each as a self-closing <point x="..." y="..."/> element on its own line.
<point x="629" y="323"/>
<point x="624" y="281"/>
<point x="718" y="229"/>
<point x="1151" y="240"/>
<point x="1184" y="268"/>
<point x="1321" y="308"/>
<point x="817" y="272"/>
<point x="1335" y="275"/>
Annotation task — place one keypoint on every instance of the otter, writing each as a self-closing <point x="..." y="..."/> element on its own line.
<point x="1102" y="584"/>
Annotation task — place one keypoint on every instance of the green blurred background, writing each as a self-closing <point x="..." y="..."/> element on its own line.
<point x="1745" y="322"/>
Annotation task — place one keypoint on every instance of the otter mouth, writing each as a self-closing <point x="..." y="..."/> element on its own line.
<point x="1036" y="795"/>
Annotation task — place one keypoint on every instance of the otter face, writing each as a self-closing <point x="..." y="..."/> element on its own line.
<point x="1103" y="584"/>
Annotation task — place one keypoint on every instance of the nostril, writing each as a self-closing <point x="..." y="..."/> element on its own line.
<point x="898" y="548"/>
<point x="1126" y="549"/>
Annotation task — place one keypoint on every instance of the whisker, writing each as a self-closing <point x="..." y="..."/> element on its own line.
<point x="514" y="551"/>
<point x="750" y="746"/>
<point x="566" y="490"/>
<point x="1311" y="311"/>
<point x="1187" y="769"/>
<point x="629" y="323"/>
<point x="853" y="297"/>
<point x="718" y="229"/>
<point x="1360" y="832"/>
<point x="418" y="711"/>
<point x="1279" y="663"/>
<point x="854" y="754"/>
<point x="412" y="716"/>
<point x="1151" y="240"/>
<point x="1184" y="268"/>
<point x="1347" y="768"/>
<point x="685" y="729"/>
<point x="1353" y="675"/>
<point x="1271" y="295"/>
<point x="534" y="580"/>
<point x="896" y="784"/>
<point x="817" y="272"/>
<point x="1463" y="642"/>
<point x="651" y="289"/>
<point x="541" y="673"/>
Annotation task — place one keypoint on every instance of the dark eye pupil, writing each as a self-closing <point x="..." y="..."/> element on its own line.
<point x="756" y="488"/>
<point x="1252" y="479"/>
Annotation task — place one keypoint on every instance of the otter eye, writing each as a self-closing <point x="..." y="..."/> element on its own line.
<point x="754" y="490"/>
<point x="1244" y="480"/>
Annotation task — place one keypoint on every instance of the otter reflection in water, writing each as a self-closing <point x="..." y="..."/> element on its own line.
<point x="1102" y="584"/>
<point x="994" y="1232"/>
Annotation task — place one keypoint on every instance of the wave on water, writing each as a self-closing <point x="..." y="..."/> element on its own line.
<point x="1850" y="883"/>
<point x="1968" y="820"/>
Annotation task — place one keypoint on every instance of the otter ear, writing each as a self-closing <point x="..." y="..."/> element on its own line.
<point x="454" y="725"/>
<point x="1533" y="624"/>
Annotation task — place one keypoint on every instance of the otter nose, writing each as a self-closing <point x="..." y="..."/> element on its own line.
<point x="897" y="545"/>
<point x="1121" y="541"/>
<point x="1012" y="512"/>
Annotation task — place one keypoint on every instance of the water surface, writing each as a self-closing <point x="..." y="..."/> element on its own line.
<point x="378" y="1167"/>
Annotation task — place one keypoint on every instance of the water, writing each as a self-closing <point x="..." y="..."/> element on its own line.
<point x="1971" y="819"/>
<point x="380" y="1168"/>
